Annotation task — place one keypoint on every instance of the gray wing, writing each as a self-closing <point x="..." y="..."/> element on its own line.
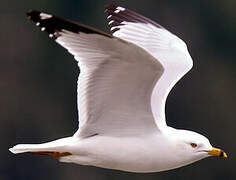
<point x="166" y="47"/>
<point x="116" y="78"/>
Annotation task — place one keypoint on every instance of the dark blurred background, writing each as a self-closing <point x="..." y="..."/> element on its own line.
<point x="38" y="85"/>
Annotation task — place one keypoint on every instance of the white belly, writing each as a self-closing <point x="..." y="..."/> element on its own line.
<point x="141" y="154"/>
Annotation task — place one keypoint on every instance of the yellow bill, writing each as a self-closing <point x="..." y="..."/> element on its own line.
<point x="217" y="152"/>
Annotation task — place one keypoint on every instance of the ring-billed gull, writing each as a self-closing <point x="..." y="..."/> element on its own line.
<point x="123" y="84"/>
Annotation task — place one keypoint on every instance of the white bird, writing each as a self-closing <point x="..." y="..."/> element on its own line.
<point x="123" y="84"/>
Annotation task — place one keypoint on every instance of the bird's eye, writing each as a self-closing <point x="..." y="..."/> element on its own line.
<point x="194" y="145"/>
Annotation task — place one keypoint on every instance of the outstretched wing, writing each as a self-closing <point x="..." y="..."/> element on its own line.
<point x="116" y="78"/>
<point x="170" y="50"/>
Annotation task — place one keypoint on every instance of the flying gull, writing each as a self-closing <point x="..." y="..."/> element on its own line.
<point x="123" y="84"/>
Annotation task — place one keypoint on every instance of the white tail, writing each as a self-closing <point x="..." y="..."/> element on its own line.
<point x="57" y="145"/>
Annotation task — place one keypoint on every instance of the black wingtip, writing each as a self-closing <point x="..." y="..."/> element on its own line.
<point x="54" y="25"/>
<point x="32" y="14"/>
<point x="110" y="8"/>
<point x="42" y="22"/>
<point x="116" y="15"/>
<point x="28" y="14"/>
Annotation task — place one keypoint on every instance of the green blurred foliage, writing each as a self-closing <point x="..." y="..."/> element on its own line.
<point x="38" y="82"/>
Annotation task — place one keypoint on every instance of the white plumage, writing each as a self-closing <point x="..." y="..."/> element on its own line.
<point x="122" y="89"/>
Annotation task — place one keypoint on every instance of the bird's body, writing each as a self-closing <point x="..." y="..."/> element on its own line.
<point x="145" y="150"/>
<point x="139" y="153"/>
<point x="122" y="89"/>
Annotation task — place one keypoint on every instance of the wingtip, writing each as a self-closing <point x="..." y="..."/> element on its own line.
<point x="32" y="13"/>
<point x="110" y="7"/>
<point x="29" y="12"/>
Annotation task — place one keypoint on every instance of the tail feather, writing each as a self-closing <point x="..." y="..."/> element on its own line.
<point x="22" y="148"/>
<point x="57" y="145"/>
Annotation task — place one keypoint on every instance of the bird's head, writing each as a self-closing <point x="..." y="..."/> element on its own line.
<point x="193" y="146"/>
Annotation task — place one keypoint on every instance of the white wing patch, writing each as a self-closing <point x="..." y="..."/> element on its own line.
<point x="44" y="16"/>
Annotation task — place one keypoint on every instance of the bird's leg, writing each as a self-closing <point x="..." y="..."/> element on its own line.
<point x="54" y="155"/>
